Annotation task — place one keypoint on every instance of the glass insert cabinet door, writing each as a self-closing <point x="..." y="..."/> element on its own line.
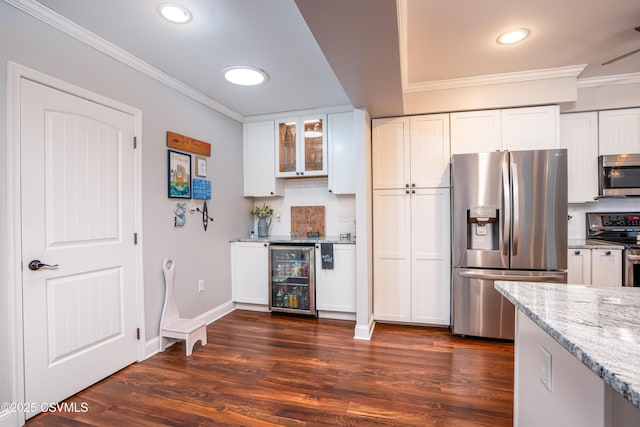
<point x="292" y="279"/>
<point x="301" y="147"/>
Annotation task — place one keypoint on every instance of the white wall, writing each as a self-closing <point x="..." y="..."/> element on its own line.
<point x="198" y="254"/>
<point x="339" y="209"/>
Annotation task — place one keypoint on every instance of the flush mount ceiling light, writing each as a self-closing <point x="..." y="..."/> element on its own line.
<point x="244" y="75"/>
<point x="175" y="13"/>
<point x="513" y="36"/>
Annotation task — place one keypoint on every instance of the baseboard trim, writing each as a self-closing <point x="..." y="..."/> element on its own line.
<point x="9" y="419"/>
<point x="337" y="315"/>
<point x="364" y="332"/>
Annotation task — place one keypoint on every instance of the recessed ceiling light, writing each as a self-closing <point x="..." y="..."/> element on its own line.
<point x="244" y="75"/>
<point x="175" y="13"/>
<point x="513" y="36"/>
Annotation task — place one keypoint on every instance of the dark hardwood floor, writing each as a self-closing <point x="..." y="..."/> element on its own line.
<point x="269" y="370"/>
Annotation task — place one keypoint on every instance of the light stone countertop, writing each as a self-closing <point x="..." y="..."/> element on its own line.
<point x="287" y="239"/>
<point x="593" y="244"/>
<point x="599" y="326"/>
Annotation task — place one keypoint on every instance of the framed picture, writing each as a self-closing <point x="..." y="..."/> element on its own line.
<point x="201" y="166"/>
<point x="179" y="174"/>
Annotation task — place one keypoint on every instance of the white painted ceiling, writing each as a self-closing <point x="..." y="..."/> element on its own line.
<point x="321" y="53"/>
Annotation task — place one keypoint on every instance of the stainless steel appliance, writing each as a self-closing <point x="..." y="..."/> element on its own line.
<point x="619" y="175"/>
<point x="622" y="228"/>
<point x="509" y="223"/>
<point x="292" y="278"/>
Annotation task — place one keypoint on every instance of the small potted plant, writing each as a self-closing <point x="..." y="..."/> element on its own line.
<point x="263" y="212"/>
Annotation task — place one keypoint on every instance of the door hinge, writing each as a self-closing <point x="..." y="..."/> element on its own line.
<point x="135" y="142"/>
<point x="138" y="333"/>
<point x="135" y="238"/>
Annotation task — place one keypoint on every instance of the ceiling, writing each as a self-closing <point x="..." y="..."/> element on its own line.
<point x="359" y="52"/>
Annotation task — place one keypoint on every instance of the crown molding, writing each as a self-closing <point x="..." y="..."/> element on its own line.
<point x="615" y="79"/>
<point x="59" y="22"/>
<point x="493" y="79"/>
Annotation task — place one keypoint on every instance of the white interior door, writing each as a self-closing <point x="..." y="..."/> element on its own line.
<point x="78" y="212"/>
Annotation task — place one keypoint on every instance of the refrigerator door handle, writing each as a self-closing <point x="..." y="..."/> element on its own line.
<point x="516" y="207"/>
<point x="511" y="277"/>
<point x="506" y="208"/>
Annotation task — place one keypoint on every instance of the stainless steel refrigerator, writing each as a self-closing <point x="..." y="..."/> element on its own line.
<point x="509" y="223"/>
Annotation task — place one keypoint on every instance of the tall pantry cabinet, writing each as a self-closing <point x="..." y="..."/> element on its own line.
<point x="411" y="219"/>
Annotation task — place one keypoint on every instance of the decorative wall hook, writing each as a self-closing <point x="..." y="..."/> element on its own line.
<point x="180" y="218"/>
<point x="205" y="215"/>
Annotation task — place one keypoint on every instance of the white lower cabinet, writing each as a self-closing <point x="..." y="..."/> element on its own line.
<point x="606" y="267"/>
<point x="579" y="266"/>
<point x="336" y="288"/>
<point x="412" y="267"/>
<point x="597" y="267"/>
<point x="250" y="272"/>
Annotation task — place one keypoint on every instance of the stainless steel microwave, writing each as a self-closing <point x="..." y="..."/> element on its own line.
<point x="619" y="175"/>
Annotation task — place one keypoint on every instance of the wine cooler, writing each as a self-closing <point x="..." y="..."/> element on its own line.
<point x="292" y="279"/>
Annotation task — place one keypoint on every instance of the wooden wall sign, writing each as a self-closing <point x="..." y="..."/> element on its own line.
<point x="184" y="143"/>
<point x="307" y="219"/>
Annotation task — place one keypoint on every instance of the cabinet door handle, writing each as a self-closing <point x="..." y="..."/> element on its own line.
<point x="576" y="253"/>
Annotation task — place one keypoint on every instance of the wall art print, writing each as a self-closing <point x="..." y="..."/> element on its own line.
<point x="179" y="174"/>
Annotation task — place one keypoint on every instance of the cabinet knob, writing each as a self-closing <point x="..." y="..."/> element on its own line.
<point x="297" y="173"/>
<point x="265" y="245"/>
<point x="607" y="253"/>
<point x="407" y="191"/>
<point x="271" y="193"/>
<point x="576" y="253"/>
<point x="413" y="185"/>
<point x="406" y="185"/>
<point x="302" y="173"/>
<point x="330" y="191"/>
<point x="413" y="191"/>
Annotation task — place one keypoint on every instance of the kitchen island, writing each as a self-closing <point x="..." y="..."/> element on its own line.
<point x="577" y="354"/>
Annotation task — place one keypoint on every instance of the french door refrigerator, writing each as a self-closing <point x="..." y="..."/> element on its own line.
<point x="509" y="223"/>
<point x="292" y="279"/>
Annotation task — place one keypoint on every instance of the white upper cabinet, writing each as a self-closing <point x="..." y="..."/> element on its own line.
<point x="579" y="135"/>
<point x="619" y="131"/>
<point x="531" y="128"/>
<point x="430" y="153"/>
<point x="476" y="132"/>
<point x="342" y="153"/>
<point x="390" y="153"/>
<point x="301" y="146"/>
<point x="258" y="150"/>
<point x="411" y="152"/>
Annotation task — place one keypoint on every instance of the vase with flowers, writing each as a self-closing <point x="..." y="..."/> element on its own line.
<point x="263" y="212"/>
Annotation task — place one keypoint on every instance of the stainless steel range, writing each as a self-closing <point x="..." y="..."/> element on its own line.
<point x="622" y="228"/>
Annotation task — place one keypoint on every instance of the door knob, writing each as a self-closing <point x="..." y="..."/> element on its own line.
<point x="36" y="264"/>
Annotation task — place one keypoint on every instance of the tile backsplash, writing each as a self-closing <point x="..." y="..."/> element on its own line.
<point x="340" y="211"/>
<point x="578" y="222"/>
